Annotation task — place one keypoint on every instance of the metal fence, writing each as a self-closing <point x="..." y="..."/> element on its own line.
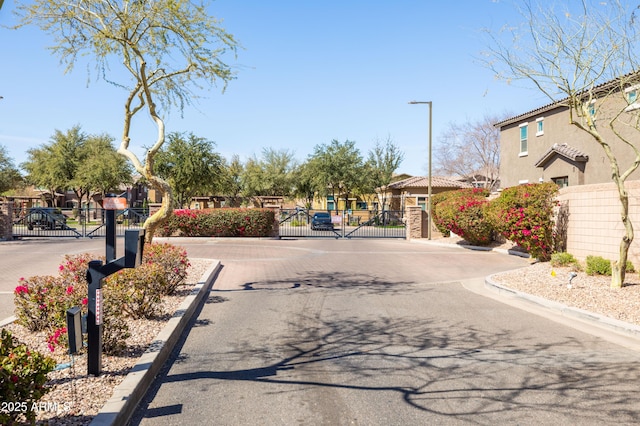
<point x="78" y="223"/>
<point x="344" y="224"/>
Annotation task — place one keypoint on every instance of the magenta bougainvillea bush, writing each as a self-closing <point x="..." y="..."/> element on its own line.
<point x="220" y="223"/>
<point x="524" y="214"/>
<point x="463" y="213"/>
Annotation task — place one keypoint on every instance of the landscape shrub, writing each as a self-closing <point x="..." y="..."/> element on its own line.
<point x="174" y="262"/>
<point x="598" y="265"/>
<point x="220" y="223"/>
<point x="524" y="214"/>
<point x="463" y="213"/>
<point x="23" y="374"/>
<point x="41" y="302"/>
<point x="564" y="259"/>
<point x="138" y="290"/>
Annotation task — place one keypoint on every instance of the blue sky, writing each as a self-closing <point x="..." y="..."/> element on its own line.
<point x="309" y="72"/>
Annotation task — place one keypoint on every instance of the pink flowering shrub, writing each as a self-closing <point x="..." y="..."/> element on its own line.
<point x="173" y="261"/>
<point x="220" y="223"/>
<point x="524" y="214"/>
<point x="42" y="301"/>
<point x="23" y="374"/>
<point x="463" y="213"/>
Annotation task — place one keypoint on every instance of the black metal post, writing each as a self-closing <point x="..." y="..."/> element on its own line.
<point x="94" y="318"/>
<point x="111" y="235"/>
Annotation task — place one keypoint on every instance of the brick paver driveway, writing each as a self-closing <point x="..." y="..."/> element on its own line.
<point x="372" y="332"/>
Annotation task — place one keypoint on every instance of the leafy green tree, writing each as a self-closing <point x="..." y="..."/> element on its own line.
<point x="269" y="175"/>
<point x="168" y="48"/>
<point x="306" y="183"/>
<point x="101" y="169"/>
<point x="231" y="185"/>
<point x="55" y="165"/>
<point x="10" y="177"/>
<point x="190" y="165"/>
<point x="339" y="166"/>
<point x="382" y="162"/>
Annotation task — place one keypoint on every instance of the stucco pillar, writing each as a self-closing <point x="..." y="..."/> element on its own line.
<point x="413" y="225"/>
<point x="6" y="226"/>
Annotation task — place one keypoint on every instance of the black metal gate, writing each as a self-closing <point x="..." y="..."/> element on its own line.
<point x="53" y="222"/>
<point x="344" y="224"/>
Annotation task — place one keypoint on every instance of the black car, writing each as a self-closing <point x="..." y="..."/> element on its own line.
<point x="321" y="221"/>
<point x="45" y="218"/>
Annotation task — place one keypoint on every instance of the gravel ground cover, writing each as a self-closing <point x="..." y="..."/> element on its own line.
<point x="76" y="397"/>
<point x="591" y="293"/>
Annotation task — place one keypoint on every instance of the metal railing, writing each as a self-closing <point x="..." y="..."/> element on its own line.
<point x="346" y="224"/>
<point x="77" y="223"/>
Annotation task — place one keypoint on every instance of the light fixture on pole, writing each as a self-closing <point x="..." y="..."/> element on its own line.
<point x="430" y="150"/>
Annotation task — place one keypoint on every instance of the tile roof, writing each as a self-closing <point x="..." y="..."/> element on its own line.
<point x="610" y="85"/>
<point x="423" y="182"/>
<point x="564" y="150"/>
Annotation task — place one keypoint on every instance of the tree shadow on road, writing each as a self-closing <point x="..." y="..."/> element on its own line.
<point x="444" y="370"/>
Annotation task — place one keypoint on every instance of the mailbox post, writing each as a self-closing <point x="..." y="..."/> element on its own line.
<point x="133" y="247"/>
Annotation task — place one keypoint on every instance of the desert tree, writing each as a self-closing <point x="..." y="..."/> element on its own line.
<point x="271" y="174"/>
<point x="101" y="169"/>
<point x="231" y="184"/>
<point x="54" y="165"/>
<point x="583" y="56"/>
<point x="169" y="50"/>
<point x="10" y="177"/>
<point x="339" y="166"/>
<point x="191" y="166"/>
<point x="469" y="150"/>
<point x="382" y="162"/>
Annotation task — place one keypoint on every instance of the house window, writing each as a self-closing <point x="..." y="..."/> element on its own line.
<point x="540" y="126"/>
<point x="562" y="182"/>
<point x="524" y="132"/>
<point x="361" y="205"/>
<point x="631" y="93"/>
<point x="592" y="108"/>
<point x="422" y="202"/>
<point x="331" y="205"/>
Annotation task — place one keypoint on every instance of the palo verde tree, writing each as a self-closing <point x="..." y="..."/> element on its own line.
<point x="584" y="57"/>
<point x="169" y="50"/>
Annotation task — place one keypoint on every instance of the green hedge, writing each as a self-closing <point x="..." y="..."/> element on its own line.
<point x="220" y="223"/>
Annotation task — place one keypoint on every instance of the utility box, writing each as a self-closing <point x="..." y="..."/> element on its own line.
<point x="74" y="329"/>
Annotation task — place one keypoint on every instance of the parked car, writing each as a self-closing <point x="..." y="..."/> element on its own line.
<point x="321" y="221"/>
<point x="45" y="218"/>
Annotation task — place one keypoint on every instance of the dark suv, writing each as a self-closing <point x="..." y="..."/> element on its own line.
<point x="45" y="218"/>
<point x="321" y="220"/>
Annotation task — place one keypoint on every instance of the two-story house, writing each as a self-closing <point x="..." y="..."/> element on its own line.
<point x="542" y="145"/>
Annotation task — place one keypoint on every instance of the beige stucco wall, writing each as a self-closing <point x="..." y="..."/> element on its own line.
<point x="595" y="226"/>
<point x="515" y="168"/>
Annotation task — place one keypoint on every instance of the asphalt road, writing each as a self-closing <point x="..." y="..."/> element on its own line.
<point x="372" y="332"/>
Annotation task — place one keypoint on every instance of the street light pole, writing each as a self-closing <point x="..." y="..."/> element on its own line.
<point x="429" y="205"/>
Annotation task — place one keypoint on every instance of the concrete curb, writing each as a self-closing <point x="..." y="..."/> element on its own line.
<point x="470" y="247"/>
<point x="128" y="394"/>
<point x="597" y="320"/>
